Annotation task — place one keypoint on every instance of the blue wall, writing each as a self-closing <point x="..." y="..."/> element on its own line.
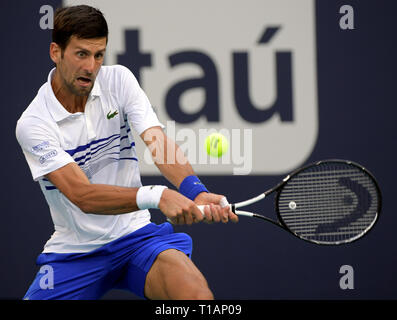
<point x="248" y="260"/>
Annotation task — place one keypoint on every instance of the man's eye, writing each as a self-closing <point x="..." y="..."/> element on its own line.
<point x="99" y="55"/>
<point x="81" y="54"/>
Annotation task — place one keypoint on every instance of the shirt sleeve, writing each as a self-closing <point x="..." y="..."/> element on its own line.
<point x="41" y="147"/>
<point x="137" y="107"/>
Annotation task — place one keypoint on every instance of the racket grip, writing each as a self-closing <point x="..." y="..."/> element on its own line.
<point x="201" y="207"/>
<point x="223" y="203"/>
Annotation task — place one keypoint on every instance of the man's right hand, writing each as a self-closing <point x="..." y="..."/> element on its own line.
<point x="179" y="209"/>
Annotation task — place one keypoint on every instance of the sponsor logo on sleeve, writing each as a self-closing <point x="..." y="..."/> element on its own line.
<point x="41" y="146"/>
<point x="47" y="156"/>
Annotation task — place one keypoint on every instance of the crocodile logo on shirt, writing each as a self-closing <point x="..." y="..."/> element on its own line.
<point x="111" y="115"/>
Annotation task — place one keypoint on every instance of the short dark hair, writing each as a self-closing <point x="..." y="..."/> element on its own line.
<point x="82" y="21"/>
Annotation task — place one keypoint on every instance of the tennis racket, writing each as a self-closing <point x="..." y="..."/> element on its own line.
<point x="329" y="202"/>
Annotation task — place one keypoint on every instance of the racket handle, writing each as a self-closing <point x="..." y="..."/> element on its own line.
<point x="223" y="203"/>
<point x="201" y="207"/>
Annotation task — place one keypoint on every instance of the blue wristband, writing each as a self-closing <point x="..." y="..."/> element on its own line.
<point x="191" y="186"/>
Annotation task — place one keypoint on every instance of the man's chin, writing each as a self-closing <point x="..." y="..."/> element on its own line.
<point x="82" y="91"/>
<point x="85" y="92"/>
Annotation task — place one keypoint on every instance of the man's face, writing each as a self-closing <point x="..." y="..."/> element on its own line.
<point x="79" y="64"/>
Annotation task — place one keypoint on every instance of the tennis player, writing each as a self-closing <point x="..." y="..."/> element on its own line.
<point x="77" y="137"/>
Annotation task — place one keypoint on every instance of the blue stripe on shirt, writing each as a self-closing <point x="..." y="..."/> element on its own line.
<point x="84" y="147"/>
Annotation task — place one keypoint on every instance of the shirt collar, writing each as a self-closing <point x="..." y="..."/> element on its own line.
<point x="96" y="89"/>
<point x="56" y="109"/>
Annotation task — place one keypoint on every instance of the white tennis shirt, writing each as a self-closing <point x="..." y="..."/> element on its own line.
<point x="100" y="141"/>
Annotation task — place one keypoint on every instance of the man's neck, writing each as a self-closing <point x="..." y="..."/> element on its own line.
<point x="71" y="102"/>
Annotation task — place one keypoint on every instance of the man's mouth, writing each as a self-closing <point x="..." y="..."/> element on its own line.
<point x="84" y="81"/>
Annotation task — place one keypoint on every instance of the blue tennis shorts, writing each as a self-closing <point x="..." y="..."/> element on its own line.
<point x="120" y="264"/>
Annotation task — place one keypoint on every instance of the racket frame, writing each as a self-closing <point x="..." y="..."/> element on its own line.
<point x="280" y="222"/>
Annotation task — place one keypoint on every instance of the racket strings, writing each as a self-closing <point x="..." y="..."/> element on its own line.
<point x="329" y="203"/>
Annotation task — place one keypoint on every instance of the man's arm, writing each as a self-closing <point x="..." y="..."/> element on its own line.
<point x="107" y="199"/>
<point x="92" y="198"/>
<point x="175" y="167"/>
<point x="167" y="156"/>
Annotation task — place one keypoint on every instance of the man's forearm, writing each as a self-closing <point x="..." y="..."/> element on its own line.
<point x="167" y="156"/>
<point x="92" y="198"/>
<point x="105" y="199"/>
<point x="175" y="171"/>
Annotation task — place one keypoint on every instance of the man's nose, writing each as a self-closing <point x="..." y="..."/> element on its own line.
<point x="89" y="65"/>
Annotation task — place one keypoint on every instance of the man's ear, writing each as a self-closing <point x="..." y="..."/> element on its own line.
<point x="55" y="52"/>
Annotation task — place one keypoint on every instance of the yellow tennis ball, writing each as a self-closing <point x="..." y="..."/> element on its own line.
<point x="216" y="145"/>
